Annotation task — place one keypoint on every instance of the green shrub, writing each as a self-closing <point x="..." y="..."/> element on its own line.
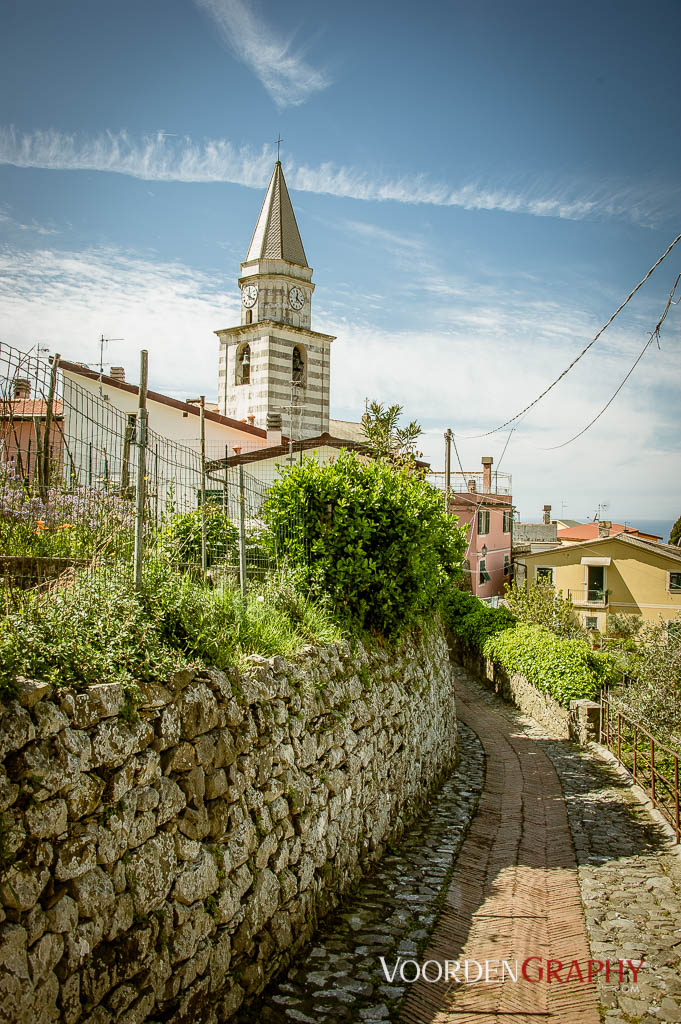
<point x="373" y="537"/>
<point x="471" y="620"/>
<point x="180" y="536"/>
<point x="100" y="630"/>
<point x="540" y="604"/>
<point x="94" y="631"/>
<point x="564" y="667"/>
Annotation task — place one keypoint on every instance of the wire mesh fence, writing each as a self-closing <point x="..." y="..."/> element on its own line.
<point x="86" y="487"/>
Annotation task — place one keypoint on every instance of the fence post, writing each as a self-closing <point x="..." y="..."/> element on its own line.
<point x="204" y="552"/>
<point x="49" y="413"/>
<point x="242" y="532"/>
<point x="141" y="469"/>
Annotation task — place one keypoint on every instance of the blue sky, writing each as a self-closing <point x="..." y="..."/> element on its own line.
<point x="478" y="186"/>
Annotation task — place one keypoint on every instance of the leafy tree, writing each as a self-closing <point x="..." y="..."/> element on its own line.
<point x="653" y="697"/>
<point x="543" y="606"/>
<point x="375" y="538"/>
<point x="675" y="535"/>
<point x="386" y="439"/>
<point x="180" y="536"/>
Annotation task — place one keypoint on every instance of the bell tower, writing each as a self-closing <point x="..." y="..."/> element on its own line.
<point x="274" y="362"/>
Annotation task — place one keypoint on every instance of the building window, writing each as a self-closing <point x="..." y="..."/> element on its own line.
<point x="675" y="582"/>
<point x="595" y="583"/>
<point x="249" y="316"/>
<point x="483" y="522"/>
<point x="507" y="564"/>
<point x="544" y="574"/>
<point x="484" y="576"/>
<point x="507" y="520"/>
<point x="591" y="621"/>
<point x="243" y="365"/>
<point x="297" y="366"/>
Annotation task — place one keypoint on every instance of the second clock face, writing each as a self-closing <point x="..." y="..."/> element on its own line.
<point x="249" y="294"/>
<point x="296" y="298"/>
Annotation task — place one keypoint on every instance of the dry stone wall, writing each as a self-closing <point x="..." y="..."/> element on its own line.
<point x="164" y="865"/>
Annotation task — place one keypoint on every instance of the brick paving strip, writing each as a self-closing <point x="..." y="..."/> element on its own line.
<point x="515" y="893"/>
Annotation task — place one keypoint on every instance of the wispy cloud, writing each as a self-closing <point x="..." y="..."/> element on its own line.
<point x="160" y="157"/>
<point x="286" y="75"/>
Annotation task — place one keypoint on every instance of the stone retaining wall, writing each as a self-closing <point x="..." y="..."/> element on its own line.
<point x="168" y="865"/>
<point x="579" y="722"/>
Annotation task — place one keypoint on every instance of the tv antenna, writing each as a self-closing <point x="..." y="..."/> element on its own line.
<point x="102" y="342"/>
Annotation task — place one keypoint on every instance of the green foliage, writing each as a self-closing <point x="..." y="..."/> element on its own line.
<point x="624" y="627"/>
<point x="653" y="696"/>
<point x="675" y="534"/>
<point x="180" y="536"/>
<point x="564" y="667"/>
<point x="101" y="629"/>
<point x="386" y="439"/>
<point x="375" y="538"/>
<point x="471" y="620"/>
<point x="83" y="634"/>
<point x="543" y="606"/>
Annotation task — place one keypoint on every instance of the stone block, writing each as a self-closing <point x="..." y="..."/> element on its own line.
<point x="16" y="728"/>
<point x="31" y="691"/>
<point x="151" y="872"/>
<point x="199" y="712"/>
<point x="180" y="758"/>
<point x="171" y="801"/>
<point x="22" y="886"/>
<point x="196" y="880"/>
<point x="49" y="719"/>
<point x="44" y="957"/>
<point x="63" y="915"/>
<point x="47" y="819"/>
<point x="84" y="797"/>
<point x="93" y="893"/>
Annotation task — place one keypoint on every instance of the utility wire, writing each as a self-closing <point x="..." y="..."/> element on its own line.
<point x="654" y="336"/>
<point x="584" y="350"/>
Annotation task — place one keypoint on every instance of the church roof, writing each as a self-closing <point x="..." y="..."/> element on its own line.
<point x="276" y="234"/>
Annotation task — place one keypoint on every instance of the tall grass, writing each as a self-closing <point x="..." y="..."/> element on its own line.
<point x="102" y="630"/>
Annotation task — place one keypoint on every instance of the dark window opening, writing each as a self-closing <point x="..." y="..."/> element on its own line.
<point x="483" y="522"/>
<point x="595" y="585"/>
<point x="675" y="581"/>
<point x="544" y="574"/>
<point x="243" y="365"/>
<point x="484" y="575"/>
<point x="298" y="367"/>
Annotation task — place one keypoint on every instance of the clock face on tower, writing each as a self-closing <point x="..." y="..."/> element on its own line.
<point x="296" y="298"/>
<point x="249" y="294"/>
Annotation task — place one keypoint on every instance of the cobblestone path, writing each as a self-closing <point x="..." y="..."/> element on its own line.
<point x="394" y="909"/>
<point x="629" y="874"/>
<point x="560" y="861"/>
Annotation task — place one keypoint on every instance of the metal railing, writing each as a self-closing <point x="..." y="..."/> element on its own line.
<point x="652" y="766"/>
<point x="86" y="487"/>
<point x="501" y="483"/>
<point x="593" y="597"/>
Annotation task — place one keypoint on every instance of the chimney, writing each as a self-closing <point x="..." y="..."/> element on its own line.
<point x="487" y="461"/>
<point x="22" y="387"/>
<point x="251" y="420"/>
<point x="118" y="373"/>
<point x="604" y="527"/>
<point x="547" y="514"/>
<point x="471" y="485"/>
<point x="273" y="428"/>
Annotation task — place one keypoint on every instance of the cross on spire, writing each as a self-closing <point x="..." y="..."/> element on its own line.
<point x="279" y="141"/>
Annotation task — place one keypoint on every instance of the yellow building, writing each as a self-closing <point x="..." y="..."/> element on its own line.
<point x="611" y="575"/>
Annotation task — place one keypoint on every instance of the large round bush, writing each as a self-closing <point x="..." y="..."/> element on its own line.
<point x="373" y="537"/>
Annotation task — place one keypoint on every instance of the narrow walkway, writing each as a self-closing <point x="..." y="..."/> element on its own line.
<point x="560" y="861"/>
<point x="514" y="896"/>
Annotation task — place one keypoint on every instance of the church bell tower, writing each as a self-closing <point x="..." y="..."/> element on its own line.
<point x="274" y="362"/>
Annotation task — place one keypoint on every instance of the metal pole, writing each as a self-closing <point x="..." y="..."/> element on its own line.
<point x="141" y="469"/>
<point x="48" y="426"/>
<point x="448" y="466"/>
<point x="204" y="553"/>
<point x="242" y="532"/>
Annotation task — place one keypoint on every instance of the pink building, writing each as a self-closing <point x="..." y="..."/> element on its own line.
<point x="484" y="501"/>
<point x="22" y="432"/>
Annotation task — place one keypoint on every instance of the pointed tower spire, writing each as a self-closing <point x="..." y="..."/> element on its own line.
<point x="276" y="234"/>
